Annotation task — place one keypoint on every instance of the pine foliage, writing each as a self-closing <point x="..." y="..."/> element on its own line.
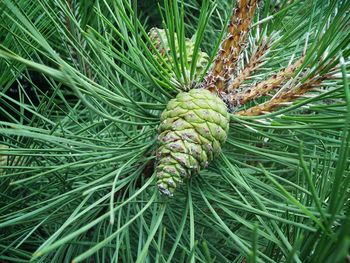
<point x="82" y="88"/>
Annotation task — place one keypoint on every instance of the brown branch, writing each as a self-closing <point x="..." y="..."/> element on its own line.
<point x="283" y="98"/>
<point x="255" y="61"/>
<point x="264" y="87"/>
<point x="231" y="46"/>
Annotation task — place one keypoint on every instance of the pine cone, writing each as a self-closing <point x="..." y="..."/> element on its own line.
<point x="160" y="41"/>
<point x="3" y="158"/>
<point x="193" y="128"/>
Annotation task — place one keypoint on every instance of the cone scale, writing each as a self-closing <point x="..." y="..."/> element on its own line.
<point x="192" y="130"/>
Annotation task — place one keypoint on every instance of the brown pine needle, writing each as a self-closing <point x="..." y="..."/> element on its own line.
<point x="227" y="56"/>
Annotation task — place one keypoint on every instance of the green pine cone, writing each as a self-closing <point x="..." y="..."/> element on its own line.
<point x="193" y="128"/>
<point x="3" y="158"/>
<point x="160" y="41"/>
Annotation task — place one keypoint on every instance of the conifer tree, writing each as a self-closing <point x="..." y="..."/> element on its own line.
<point x="174" y="131"/>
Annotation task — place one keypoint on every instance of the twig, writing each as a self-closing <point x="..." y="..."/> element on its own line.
<point x="227" y="56"/>
<point x="284" y="98"/>
<point x="264" y="87"/>
<point x="256" y="60"/>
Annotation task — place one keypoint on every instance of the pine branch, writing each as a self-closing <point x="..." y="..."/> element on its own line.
<point x="256" y="61"/>
<point x="264" y="87"/>
<point x="284" y="98"/>
<point x="231" y="46"/>
<point x="87" y="162"/>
